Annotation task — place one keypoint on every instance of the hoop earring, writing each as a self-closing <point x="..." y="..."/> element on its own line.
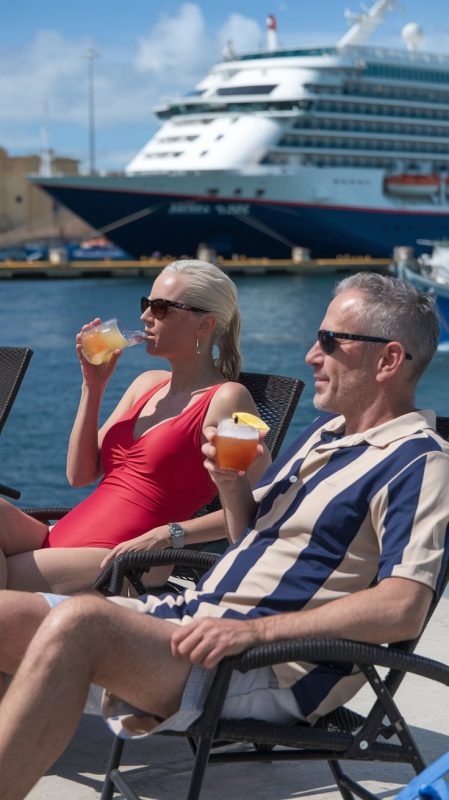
<point x="198" y="351"/>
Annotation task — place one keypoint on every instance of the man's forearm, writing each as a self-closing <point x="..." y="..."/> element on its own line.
<point x="239" y="506"/>
<point x="392" y="611"/>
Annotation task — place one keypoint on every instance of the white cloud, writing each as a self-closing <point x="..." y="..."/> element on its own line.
<point x="32" y="76"/>
<point x="179" y="49"/>
<point x="177" y="46"/>
<point x="48" y="77"/>
<point x="244" y="33"/>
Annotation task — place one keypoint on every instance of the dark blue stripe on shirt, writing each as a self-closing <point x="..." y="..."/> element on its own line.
<point x="311" y="690"/>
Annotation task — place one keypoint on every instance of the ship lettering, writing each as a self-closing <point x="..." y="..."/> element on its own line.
<point x="241" y="209"/>
<point x="189" y="208"/>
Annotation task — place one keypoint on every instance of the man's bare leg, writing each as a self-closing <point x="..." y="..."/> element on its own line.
<point x="21" y="614"/>
<point x="85" y="639"/>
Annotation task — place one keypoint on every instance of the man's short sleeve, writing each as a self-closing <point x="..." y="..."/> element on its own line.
<point x="411" y="515"/>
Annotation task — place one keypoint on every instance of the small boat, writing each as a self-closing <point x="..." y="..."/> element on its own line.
<point x="430" y="272"/>
<point x="409" y="185"/>
<point x="98" y="249"/>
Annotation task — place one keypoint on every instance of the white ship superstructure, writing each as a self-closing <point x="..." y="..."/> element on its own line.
<point x="336" y="148"/>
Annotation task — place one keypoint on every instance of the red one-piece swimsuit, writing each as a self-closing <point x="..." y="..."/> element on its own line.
<point x="147" y="482"/>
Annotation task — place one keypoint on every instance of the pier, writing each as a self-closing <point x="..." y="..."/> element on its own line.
<point x="152" y="266"/>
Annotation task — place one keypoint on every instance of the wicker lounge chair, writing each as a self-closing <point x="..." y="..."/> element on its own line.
<point x="13" y="365"/>
<point x="381" y="735"/>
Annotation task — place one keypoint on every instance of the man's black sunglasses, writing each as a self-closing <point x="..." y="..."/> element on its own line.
<point x="327" y="340"/>
<point x="160" y="307"/>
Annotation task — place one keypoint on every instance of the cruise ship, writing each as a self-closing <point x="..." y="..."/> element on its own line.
<point x="340" y="149"/>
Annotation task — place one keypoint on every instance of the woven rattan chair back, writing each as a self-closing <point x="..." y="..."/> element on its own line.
<point x="276" y="398"/>
<point x="13" y="365"/>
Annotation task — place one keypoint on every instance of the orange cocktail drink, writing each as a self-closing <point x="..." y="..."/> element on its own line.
<point x="235" y="444"/>
<point x="99" y="342"/>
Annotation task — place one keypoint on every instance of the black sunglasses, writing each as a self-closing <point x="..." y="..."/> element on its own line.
<point x="327" y="340"/>
<point x="160" y="307"/>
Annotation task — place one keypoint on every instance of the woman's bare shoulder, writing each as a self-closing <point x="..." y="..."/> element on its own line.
<point x="147" y="381"/>
<point x="230" y="397"/>
<point x="232" y="390"/>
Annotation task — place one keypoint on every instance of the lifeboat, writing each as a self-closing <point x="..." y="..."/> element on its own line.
<point x="412" y="185"/>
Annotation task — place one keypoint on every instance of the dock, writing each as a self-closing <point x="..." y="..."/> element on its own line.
<point x="152" y="266"/>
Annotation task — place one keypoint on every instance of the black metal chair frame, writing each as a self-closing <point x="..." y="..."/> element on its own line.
<point x="342" y="735"/>
<point x="13" y="365"/>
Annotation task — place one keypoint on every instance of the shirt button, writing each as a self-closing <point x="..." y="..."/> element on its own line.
<point x="293" y="478"/>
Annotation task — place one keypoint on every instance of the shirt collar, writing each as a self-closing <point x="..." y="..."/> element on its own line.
<point x="381" y="435"/>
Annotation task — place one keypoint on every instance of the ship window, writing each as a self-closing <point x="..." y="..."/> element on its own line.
<point x="406" y="73"/>
<point x="237" y="191"/>
<point x="313" y="51"/>
<point x="212" y="191"/>
<point x="261" y="89"/>
<point x="260" y="192"/>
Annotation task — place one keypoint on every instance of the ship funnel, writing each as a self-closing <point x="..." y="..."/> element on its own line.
<point x="272" y="35"/>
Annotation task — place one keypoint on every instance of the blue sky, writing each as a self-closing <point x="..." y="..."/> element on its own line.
<point x="149" y="51"/>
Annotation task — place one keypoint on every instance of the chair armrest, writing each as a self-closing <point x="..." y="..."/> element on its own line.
<point x="134" y="564"/>
<point x="339" y="725"/>
<point x="46" y="514"/>
<point x="9" y="492"/>
<point x="340" y="650"/>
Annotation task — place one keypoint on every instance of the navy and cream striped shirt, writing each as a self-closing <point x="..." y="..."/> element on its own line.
<point x="335" y="514"/>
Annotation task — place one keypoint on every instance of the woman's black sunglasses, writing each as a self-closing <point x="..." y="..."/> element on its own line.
<point x="160" y="307"/>
<point x="327" y="340"/>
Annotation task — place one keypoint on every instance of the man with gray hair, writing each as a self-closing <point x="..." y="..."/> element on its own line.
<point x="346" y="535"/>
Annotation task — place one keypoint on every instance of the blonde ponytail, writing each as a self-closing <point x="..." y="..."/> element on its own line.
<point x="229" y="361"/>
<point x="210" y="288"/>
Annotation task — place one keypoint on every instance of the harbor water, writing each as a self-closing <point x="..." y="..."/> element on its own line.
<point x="280" y="313"/>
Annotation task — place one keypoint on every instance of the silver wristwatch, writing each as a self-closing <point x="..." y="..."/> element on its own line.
<point x="176" y="532"/>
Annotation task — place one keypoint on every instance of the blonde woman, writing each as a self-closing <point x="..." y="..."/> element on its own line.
<point x="148" y="452"/>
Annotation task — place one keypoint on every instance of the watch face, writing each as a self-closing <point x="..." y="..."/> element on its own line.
<point x="177" y="534"/>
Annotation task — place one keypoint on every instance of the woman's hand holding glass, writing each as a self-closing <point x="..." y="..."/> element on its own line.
<point x="94" y="374"/>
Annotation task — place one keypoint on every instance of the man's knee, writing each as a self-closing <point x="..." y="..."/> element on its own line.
<point x="77" y="615"/>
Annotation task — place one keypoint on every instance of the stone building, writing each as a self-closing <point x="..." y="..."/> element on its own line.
<point x="26" y="212"/>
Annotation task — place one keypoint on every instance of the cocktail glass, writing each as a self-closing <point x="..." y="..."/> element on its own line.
<point x="235" y="444"/>
<point x="98" y="342"/>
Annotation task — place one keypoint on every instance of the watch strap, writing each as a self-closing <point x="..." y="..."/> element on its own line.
<point x="176" y="532"/>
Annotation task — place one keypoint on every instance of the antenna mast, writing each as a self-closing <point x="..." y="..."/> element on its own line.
<point x="365" y="23"/>
<point x="45" y="168"/>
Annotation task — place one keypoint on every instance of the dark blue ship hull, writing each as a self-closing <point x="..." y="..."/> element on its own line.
<point x="142" y="223"/>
